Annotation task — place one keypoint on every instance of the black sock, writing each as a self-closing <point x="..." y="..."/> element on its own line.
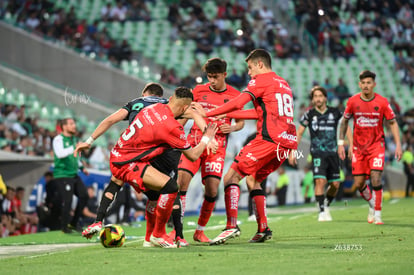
<point x="330" y="199"/>
<point x="112" y="188"/>
<point x="320" y="199"/>
<point x="177" y="219"/>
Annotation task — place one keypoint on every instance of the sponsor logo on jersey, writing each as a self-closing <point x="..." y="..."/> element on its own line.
<point x="115" y="153"/>
<point x="252" y="82"/>
<point x="148" y="117"/>
<point x="367" y="122"/>
<point x="250" y="156"/>
<point x="282" y="85"/>
<point x="287" y="136"/>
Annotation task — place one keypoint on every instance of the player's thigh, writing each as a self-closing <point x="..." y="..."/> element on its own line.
<point x="319" y="167"/>
<point x="360" y="164"/>
<point x="184" y="179"/>
<point x="154" y="179"/>
<point x="257" y="154"/>
<point x="212" y="165"/>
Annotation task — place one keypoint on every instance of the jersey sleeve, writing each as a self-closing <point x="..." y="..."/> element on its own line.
<point x="304" y="120"/>
<point x="252" y="90"/>
<point x="388" y="112"/>
<point x="349" y="112"/>
<point x="175" y="137"/>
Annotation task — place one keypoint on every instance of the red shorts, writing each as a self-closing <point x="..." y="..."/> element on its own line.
<point x="259" y="158"/>
<point x="362" y="164"/>
<point x="131" y="173"/>
<point x="211" y="165"/>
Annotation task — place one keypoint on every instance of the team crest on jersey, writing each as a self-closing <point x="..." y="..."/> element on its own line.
<point x="226" y="100"/>
<point x="376" y="108"/>
<point x="331" y="116"/>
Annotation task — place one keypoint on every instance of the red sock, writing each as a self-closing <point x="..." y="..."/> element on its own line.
<point x="33" y="228"/>
<point x="25" y="228"/>
<point x="231" y="198"/>
<point x="366" y="193"/>
<point x="205" y="212"/>
<point x="260" y="212"/>
<point x="163" y="213"/>
<point x="150" y="218"/>
<point x="378" y="200"/>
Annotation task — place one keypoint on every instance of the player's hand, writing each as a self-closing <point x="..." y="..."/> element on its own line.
<point x="398" y="152"/>
<point x="341" y="152"/>
<point x="198" y="108"/>
<point x="85" y="171"/>
<point x="226" y="128"/>
<point x="211" y="130"/>
<point x="212" y="146"/>
<point x="292" y="159"/>
<point x="81" y="146"/>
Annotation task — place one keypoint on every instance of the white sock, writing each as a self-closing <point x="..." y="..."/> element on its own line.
<point x="201" y="228"/>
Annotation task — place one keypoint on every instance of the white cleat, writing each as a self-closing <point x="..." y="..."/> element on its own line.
<point x="322" y="217"/>
<point x="225" y="235"/>
<point x="164" y="241"/>
<point x="328" y="217"/>
<point x="147" y="244"/>
<point x="371" y="215"/>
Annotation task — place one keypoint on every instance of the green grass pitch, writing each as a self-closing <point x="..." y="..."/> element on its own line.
<point x="300" y="245"/>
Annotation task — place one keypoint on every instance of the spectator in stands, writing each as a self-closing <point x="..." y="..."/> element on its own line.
<point x="295" y="49"/>
<point x="395" y="106"/>
<point x="174" y="16"/>
<point x="118" y="12"/>
<point x="337" y="49"/>
<point x="32" y="22"/>
<point x="204" y="44"/>
<point x="138" y="11"/>
<point x="125" y="51"/>
<point x="342" y="90"/>
<point x="235" y="79"/>
<point x="330" y="89"/>
<point x="349" y="50"/>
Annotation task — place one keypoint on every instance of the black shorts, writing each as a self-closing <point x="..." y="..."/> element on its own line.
<point x="326" y="167"/>
<point x="167" y="163"/>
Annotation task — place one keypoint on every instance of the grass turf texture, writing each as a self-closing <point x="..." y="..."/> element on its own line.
<point x="301" y="245"/>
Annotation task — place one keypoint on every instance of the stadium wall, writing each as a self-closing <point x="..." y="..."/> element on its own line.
<point x="62" y="65"/>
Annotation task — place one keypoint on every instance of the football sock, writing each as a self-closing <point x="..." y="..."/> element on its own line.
<point x="378" y="197"/>
<point x="259" y="208"/>
<point x="108" y="197"/>
<point x="163" y="212"/>
<point x="206" y="210"/>
<point x="183" y="199"/>
<point x="367" y="195"/>
<point x="231" y="198"/>
<point x="330" y="199"/>
<point x="321" y="202"/>
<point x="177" y="218"/>
<point x="150" y="218"/>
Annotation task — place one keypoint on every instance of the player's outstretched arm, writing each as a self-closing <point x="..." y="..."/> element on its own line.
<point x="292" y="156"/>
<point x="194" y="153"/>
<point x="233" y="105"/>
<point x="396" y="134"/>
<point x="105" y="124"/>
<point x="343" y="126"/>
<point x="350" y="141"/>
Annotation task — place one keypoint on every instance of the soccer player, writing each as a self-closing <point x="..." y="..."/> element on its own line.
<point x="211" y="95"/>
<point x="368" y="109"/>
<point x="153" y="131"/>
<point x="276" y="136"/>
<point x="322" y="121"/>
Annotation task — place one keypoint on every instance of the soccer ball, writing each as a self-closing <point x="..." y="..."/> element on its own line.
<point x="112" y="235"/>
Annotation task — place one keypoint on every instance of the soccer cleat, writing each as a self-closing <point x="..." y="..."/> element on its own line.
<point x="251" y="218"/>
<point x="67" y="230"/>
<point x="226" y="234"/>
<point x="322" y="217"/>
<point x="172" y="234"/>
<point x="328" y="217"/>
<point x="76" y="228"/>
<point x="199" y="236"/>
<point x="377" y="218"/>
<point x="181" y="242"/>
<point x="164" y="241"/>
<point x="147" y="244"/>
<point x="260" y="237"/>
<point x="92" y="230"/>
<point x="371" y="215"/>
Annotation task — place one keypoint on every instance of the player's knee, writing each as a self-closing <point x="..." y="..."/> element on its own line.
<point x="210" y="199"/>
<point x="170" y="187"/>
<point x="152" y="195"/>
